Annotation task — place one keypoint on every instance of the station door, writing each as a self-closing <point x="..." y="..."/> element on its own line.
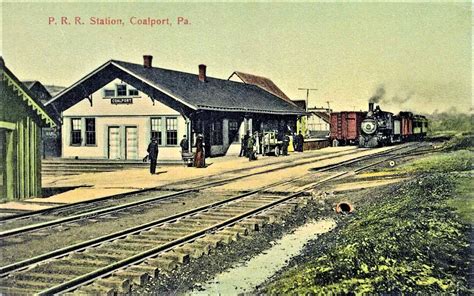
<point x="131" y="143"/>
<point x="114" y="142"/>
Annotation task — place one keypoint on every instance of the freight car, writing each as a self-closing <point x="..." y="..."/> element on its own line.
<point x="345" y="127"/>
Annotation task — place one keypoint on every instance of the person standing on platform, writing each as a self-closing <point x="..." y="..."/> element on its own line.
<point x="184" y="145"/>
<point x="295" y="142"/>
<point x="153" y="154"/>
<point x="200" y="156"/>
<point x="286" y="143"/>
<point x="243" y="146"/>
<point x="251" y="153"/>
<point x="300" y="142"/>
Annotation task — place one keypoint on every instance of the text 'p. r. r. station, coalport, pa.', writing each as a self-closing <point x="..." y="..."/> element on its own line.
<point x="110" y="21"/>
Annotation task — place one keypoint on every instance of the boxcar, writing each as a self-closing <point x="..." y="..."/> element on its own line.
<point x="345" y="126"/>
<point x="406" y="120"/>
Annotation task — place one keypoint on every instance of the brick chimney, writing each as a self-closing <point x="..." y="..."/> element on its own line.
<point x="202" y="73"/>
<point x="147" y="59"/>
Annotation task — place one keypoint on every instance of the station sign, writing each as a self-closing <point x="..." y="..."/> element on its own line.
<point x="121" y="101"/>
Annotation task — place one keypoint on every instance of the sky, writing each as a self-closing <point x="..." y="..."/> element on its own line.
<point x="419" y="54"/>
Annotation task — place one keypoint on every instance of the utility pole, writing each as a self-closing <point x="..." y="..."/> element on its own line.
<point x="307" y="94"/>
<point x="329" y="107"/>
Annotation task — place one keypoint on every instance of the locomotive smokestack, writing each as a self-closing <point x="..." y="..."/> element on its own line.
<point x="371" y="107"/>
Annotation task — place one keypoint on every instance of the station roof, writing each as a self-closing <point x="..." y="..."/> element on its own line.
<point x="262" y="82"/>
<point x="184" y="88"/>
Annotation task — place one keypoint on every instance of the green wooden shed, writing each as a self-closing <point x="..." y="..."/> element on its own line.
<point x="21" y="118"/>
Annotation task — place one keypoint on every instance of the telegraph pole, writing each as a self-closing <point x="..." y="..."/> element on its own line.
<point x="329" y="107"/>
<point x="307" y="94"/>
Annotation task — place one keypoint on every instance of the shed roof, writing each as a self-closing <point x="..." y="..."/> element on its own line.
<point x="25" y="94"/>
<point x="185" y="88"/>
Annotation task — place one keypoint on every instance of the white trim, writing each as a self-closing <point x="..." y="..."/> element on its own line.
<point x="154" y="86"/>
<point x="77" y="83"/>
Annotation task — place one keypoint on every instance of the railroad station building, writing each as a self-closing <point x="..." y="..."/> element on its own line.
<point x="22" y="117"/>
<point x="112" y="112"/>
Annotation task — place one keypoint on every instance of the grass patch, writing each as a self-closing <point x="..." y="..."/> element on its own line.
<point x="409" y="241"/>
<point x="463" y="202"/>
<point x="461" y="160"/>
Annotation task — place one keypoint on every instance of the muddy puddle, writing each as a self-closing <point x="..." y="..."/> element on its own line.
<point x="244" y="277"/>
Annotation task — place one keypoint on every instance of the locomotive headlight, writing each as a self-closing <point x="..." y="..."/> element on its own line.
<point x="368" y="126"/>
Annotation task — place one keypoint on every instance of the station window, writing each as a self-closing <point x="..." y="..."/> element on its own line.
<point x="76" y="124"/>
<point x="132" y="92"/>
<point x="109" y="92"/>
<point x="216" y="133"/>
<point x="121" y="90"/>
<point x="156" y="129"/>
<point x="171" y="131"/>
<point x="90" y="131"/>
<point x="233" y="131"/>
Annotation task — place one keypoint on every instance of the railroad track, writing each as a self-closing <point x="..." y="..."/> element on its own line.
<point x="196" y="183"/>
<point x="56" y="216"/>
<point x="102" y="256"/>
<point x="51" y="221"/>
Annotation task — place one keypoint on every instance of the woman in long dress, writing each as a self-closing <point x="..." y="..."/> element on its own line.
<point x="200" y="156"/>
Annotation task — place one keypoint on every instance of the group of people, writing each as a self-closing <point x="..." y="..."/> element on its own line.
<point x="255" y="144"/>
<point x="199" y="157"/>
<point x="247" y="146"/>
<point x="250" y="147"/>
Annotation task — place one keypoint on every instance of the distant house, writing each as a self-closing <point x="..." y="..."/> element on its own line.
<point x="22" y="116"/>
<point x="51" y="136"/>
<point x="112" y="112"/>
<point x="262" y="82"/>
<point x="316" y="122"/>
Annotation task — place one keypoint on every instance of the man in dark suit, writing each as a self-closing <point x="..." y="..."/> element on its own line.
<point x="153" y="154"/>
<point x="184" y="145"/>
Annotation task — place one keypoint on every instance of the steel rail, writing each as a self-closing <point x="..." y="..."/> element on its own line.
<point x="83" y="279"/>
<point x="103" y="211"/>
<point x="6" y="270"/>
<point x="62" y="207"/>
<point x="92" y="243"/>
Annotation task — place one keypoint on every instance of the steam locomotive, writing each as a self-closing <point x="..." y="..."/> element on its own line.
<point x="380" y="128"/>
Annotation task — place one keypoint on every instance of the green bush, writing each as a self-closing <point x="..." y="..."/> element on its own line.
<point x="450" y="122"/>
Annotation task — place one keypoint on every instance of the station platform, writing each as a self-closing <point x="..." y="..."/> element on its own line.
<point x="88" y="186"/>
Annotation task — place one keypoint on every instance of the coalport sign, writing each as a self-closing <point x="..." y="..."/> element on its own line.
<point x="121" y="101"/>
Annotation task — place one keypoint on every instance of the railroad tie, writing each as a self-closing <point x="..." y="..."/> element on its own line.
<point x="163" y="264"/>
<point x="211" y="240"/>
<point x="136" y="277"/>
<point x="260" y="220"/>
<point x="5" y="290"/>
<point x="192" y="250"/>
<point x="249" y="225"/>
<point x="234" y="232"/>
<point x="177" y="257"/>
<point x="120" y="285"/>
<point x="225" y="238"/>
<point x="95" y="289"/>
<point x="152" y="271"/>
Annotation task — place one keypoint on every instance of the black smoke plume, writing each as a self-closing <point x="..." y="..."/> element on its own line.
<point x="378" y="96"/>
